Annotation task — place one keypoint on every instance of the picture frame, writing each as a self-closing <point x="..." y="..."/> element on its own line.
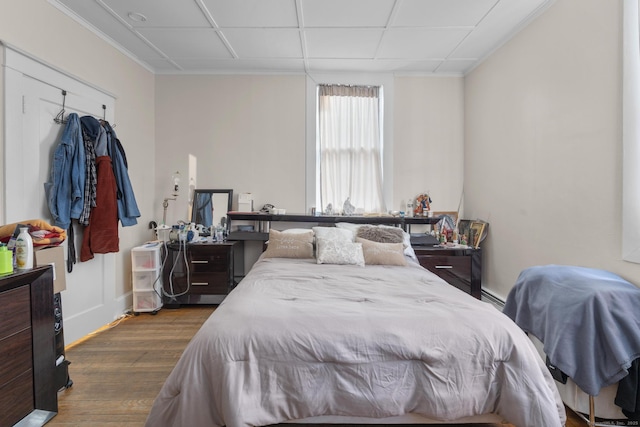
<point x="478" y="231"/>
<point x="464" y="230"/>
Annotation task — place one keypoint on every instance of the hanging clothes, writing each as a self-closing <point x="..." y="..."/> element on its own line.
<point x="101" y="235"/>
<point x="127" y="206"/>
<point x="65" y="188"/>
<point x="91" y="180"/>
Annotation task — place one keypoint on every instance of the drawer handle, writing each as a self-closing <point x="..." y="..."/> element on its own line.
<point x="195" y="261"/>
<point x="444" y="266"/>
<point x="199" y="283"/>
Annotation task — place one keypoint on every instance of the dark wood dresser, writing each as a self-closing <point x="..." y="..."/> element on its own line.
<point x="459" y="267"/>
<point x="198" y="273"/>
<point x="27" y="348"/>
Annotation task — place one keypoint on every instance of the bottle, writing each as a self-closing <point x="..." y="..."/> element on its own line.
<point x="24" y="250"/>
<point x="6" y="260"/>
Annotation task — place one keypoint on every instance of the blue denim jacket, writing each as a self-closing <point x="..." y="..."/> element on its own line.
<point x="65" y="188"/>
<point x="127" y="207"/>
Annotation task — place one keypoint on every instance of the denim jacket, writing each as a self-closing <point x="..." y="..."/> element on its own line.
<point x="127" y="207"/>
<point x="65" y="188"/>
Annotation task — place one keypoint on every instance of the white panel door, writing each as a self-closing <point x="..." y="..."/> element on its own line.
<point x="89" y="302"/>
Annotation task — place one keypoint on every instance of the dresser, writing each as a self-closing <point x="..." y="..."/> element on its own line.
<point x="27" y="348"/>
<point x="198" y="273"/>
<point x="459" y="267"/>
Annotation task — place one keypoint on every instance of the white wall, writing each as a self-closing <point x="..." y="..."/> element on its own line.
<point x="41" y="30"/>
<point x="428" y="140"/>
<point x="246" y="132"/>
<point x="543" y="145"/>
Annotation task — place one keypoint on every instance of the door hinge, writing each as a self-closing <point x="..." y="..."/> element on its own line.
<point x="24" y="106"/>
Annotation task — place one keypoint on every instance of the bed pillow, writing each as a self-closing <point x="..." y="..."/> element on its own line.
<point x="336" y="252"/>
<point x="289" y="245"/>
<point x="376" y="253"/>
<point x="349" y="226"/>
<point x="380" y="234"/>
<point x="296" y="230"/>
<point x="334" y="234"/>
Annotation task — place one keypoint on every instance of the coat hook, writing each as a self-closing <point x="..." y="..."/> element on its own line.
<point x="59" y="119"/>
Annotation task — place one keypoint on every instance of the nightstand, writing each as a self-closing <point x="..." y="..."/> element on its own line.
<point x="459" y="267"/>
<point x="205" y="278"/>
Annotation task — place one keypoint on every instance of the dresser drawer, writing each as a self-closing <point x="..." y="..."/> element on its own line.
<point x="16" y="399"/>
<point x="16" y="357"/>
<point x="15" y="315"/>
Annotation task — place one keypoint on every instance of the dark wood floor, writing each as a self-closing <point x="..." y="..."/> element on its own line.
<point x="118" y="371"/>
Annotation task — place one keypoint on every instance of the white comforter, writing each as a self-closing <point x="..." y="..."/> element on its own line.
<point x="296" y="339"/>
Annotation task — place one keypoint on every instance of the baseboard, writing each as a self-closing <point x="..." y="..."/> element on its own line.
<point x="491" y="298"/>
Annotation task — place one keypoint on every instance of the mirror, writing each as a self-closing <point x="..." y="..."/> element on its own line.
<point x="210" y="206"/>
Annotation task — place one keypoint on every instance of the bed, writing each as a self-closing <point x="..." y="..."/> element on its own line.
<point x="303" y="341"/>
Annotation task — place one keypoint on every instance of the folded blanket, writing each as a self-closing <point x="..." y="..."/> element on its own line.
<point x="42" y="233"/>
<point x="588" y="320"/>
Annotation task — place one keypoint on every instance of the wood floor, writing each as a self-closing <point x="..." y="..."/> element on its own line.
<point x="118" y="371"/>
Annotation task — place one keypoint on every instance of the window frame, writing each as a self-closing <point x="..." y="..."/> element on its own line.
<point x="383" y="80"/>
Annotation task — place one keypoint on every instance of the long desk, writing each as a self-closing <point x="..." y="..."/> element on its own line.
<point x="262" y="222"/>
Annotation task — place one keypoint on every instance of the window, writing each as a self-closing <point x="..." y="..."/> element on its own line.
<point x="349" y="147"/>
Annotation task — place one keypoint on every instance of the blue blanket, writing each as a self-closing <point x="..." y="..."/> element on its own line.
<point x="588" y="320"/>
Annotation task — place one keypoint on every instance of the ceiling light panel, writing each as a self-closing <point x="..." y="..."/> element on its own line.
<point x="253" y="13"/>
<point x="340" y="13"/>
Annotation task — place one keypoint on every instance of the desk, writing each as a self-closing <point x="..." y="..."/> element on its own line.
<point x="262" y="221"/>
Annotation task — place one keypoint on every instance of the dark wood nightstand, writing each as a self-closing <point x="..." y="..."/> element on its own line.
<point x="459" y="267"/>
<point x="207" y="276"/>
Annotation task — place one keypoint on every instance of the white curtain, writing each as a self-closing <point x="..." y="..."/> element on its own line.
<point x="350" y="146"/>
<point x="631" y="132"/>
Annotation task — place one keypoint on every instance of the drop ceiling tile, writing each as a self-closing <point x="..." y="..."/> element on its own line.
<point x="457" y="66"/>
<point x="242" y="65"/>
<point x="187" y="43"/>
<point x="441" y="13"/>
<point x="342" y="43"/>
<point x="112" y="28"/>
<point x="340" y="13"/>
<point x="505" y="20"/>
<point x="264" y="42"/>
<point x="253" y="13"/>
<point x="160" y="13"/>
<point x="161" y="65"/>
<point x="418" y="43"/>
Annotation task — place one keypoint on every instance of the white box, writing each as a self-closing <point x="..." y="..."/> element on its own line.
<point x="245" y="202"/>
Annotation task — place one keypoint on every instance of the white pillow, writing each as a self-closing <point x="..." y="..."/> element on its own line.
<point x="334" y="234"/>
<point x="335" y="252"/>
<point x="349" y="226"/>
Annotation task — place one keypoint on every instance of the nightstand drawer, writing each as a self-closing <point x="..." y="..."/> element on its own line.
<point x="13" y="316"/>
<point x="210" y="283"/>
<point x="207" y="276"/>
<point x="458" y="267"/>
